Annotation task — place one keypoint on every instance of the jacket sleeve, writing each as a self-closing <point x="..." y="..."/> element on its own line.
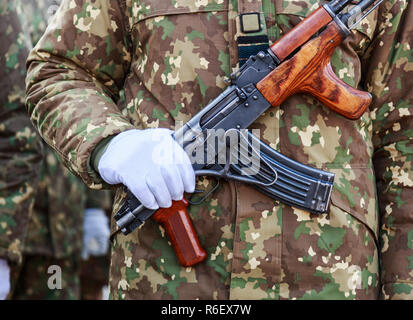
<point x="20" y="147"/>
<point x="74" y="76"/>
<point x="390" y="78"/>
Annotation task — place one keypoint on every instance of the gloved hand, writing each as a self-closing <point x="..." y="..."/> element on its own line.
<point x="151" y="164"/>
<point x="96" y="233"/>
<point x="4" y="279"/>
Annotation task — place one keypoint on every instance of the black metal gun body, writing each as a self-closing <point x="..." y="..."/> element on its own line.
<point x="237" y="108"/>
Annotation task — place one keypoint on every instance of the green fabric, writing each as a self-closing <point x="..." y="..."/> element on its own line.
<point x="98" y="152"/>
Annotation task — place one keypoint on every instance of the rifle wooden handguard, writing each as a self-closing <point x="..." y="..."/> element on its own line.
<point x="300" y="34"/>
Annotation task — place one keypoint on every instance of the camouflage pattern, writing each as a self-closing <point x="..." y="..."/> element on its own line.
<point x="54" y="235"/>
<point x="20" y="147"/>
<point x="55" y="228"/>
<point x="389" y="78"/>
<point x="61" y="197"/>
<point x="171" y="58"/>
<point x="56" y="225"/>
<point x="34" y="277"/>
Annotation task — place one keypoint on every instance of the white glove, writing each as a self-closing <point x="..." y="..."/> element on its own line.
<point x="151" y="164"/>
<point x="4" y="279"/>
<point x="96" y="233"/>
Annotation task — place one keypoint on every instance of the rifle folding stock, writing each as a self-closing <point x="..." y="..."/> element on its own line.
<point x="298" y="62"/>
<point x="309" y="71"/>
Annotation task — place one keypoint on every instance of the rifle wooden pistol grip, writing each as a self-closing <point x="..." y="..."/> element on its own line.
<point x="181" y="233"/>
<point x="309" y="71"/>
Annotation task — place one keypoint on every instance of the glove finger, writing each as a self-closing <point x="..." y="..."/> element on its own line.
<point x="144" y="195"/>
<point x="185" y="169"/>
<point x="188" y="177"/>
<point x="157" y="186"/>
<point x="173" y="181"/>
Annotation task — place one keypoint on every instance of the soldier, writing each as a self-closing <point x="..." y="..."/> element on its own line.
<point x="19" y="181"/>
<point x="20" y="146"/>
<point x="55" y="237"/>
<point x="172" y="57"/>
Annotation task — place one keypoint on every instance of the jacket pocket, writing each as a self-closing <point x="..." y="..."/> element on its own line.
<point x="354" y="193"/>
<point x="146" y="9"/>
<point x="180" y="61"/>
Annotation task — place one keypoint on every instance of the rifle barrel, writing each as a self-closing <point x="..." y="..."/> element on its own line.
<point x="337" y="5"/>
<point x="364" y="4"/>
<point x="359" y="10"/>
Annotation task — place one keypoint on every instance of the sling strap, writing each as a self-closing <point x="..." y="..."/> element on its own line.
<point x="247" y="30"/>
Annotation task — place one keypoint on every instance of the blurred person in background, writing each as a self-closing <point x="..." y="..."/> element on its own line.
<point x="68" y="226"/>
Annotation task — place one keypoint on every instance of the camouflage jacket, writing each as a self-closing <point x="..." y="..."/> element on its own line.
<point x="55" y="228"/>
<point x="171" y="58"/>
<point x="20" y="147"/>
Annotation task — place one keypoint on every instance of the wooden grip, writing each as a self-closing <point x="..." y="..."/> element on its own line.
<point x="309" y="71"/>
<point x="181" y="233"/>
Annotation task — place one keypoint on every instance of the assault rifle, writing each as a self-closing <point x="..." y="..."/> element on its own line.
<point x="299" y="62"/>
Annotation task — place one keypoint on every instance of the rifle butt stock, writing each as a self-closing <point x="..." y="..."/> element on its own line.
<point x="309" y="71"/>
